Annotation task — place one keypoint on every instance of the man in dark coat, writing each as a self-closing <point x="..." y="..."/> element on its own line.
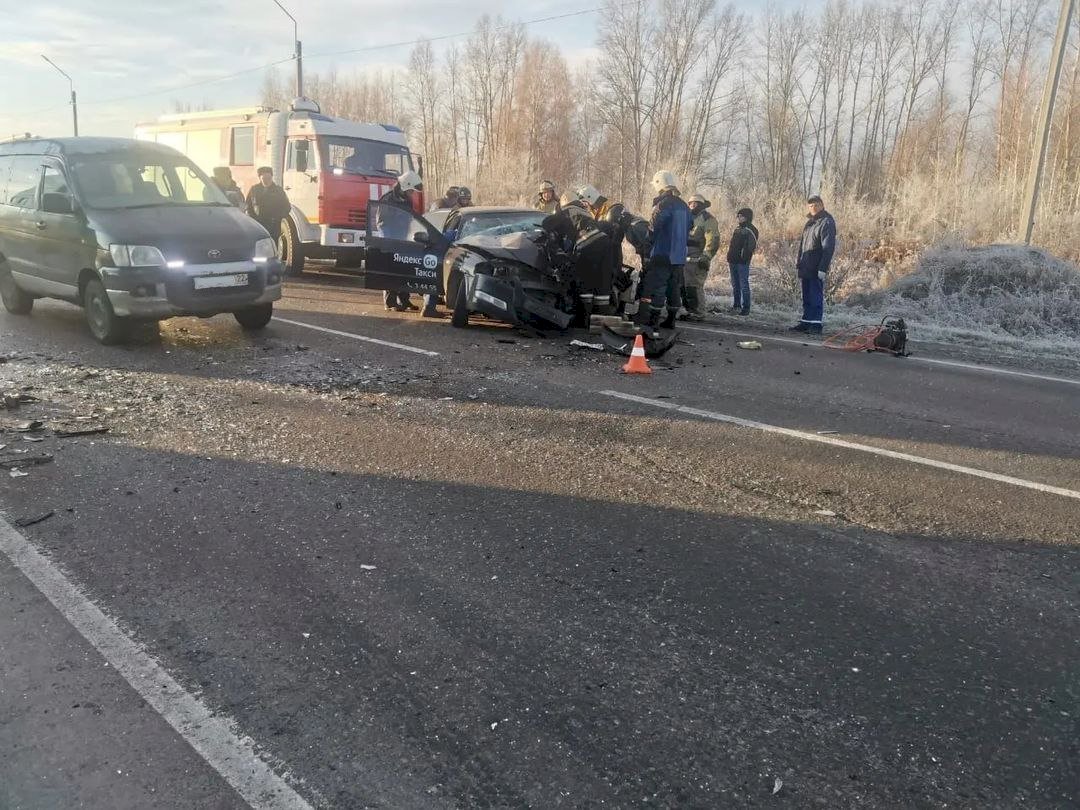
<point x="740" y="251"/>
<point x="267" y="203"/>
<point x="815" y="257"/>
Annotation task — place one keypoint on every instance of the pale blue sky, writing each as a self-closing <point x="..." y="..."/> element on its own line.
<point x="117" y="49"/>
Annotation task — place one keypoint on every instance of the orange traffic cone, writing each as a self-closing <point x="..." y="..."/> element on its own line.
<point x="637" y="364"/>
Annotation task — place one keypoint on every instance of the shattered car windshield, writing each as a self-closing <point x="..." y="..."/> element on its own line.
<point x="500" y="223"/>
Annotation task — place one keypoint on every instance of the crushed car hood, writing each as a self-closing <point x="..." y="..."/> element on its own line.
<point x="513" y="247"/>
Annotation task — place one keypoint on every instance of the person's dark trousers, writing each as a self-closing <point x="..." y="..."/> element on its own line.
<point x="813" y="297"/>
<point x="740" y="287"/>
<point x="393" y="299"/>
<point x="274" y="229"/>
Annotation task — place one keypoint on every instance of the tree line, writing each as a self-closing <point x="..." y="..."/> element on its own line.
<point x="915" y="118"/>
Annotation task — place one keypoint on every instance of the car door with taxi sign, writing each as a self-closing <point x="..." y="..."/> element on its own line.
<point x="404" y="251"/>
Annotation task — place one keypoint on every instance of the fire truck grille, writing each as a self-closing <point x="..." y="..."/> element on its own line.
<point x="357" y="216"/>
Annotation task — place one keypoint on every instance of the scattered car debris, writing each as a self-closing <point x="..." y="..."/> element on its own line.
<point x="827" y="432"/>
<point x="33" y="438"/>
<point x="28" y="461"/>
<point x="30" y="426"/>
<point x="18" y="474"/>
<point x="22" y="523"/>
<point x="581" y="344"/>
<point x="622" y="341"/>
<point x="11" y="401"/>
<point x="68" y="431"/>
<point x="825" y="512"/>
<point x="778" y="785"/>
<point x="749" y="344"/>
<point x="367" y="567"/>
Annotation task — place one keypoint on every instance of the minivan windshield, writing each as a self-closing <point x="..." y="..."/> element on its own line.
<point x="142" y="179"/>
<point x="360" y="156"/>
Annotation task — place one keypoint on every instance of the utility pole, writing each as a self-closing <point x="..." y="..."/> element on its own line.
<point x="298" y="52"/>
<point x="74" y="99"/>
<point x="1046" y="115"/>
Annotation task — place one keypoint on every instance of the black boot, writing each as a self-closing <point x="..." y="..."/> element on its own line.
<point x="654" y="321"/>
<point x="669" y="321"/>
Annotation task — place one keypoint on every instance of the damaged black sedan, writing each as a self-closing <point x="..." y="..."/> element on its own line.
<point x="500" y="263"/>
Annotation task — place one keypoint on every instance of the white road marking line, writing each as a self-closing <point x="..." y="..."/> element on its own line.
<point x="913" y="359"/>
<point x="227" y="751"/>
<point x="830" y="440"/>
<point x="364" y="338"/>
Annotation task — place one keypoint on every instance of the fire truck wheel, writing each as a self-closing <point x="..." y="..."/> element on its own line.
<point x="292" y="251"/>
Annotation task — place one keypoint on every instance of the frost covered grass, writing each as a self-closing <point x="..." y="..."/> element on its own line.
<point x="1009" y="298"/>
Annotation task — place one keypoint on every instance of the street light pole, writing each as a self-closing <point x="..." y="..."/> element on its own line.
<point x="297" y="53"/>
<point x="1046" y="115"/>
<point x="74" y="98"/>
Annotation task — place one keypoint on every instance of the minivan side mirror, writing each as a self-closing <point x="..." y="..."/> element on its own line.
<point x="55" y="203"/>
<point x="422" y="238"/>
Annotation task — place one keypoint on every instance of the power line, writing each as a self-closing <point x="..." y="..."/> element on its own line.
<point x="451" y="36"/>
<point x="367" y="48"/>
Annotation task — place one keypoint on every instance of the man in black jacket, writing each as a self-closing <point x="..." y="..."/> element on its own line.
<point x="267" y="203"/>
<point x="740" y="251"/>
<point x="815" y="257"/>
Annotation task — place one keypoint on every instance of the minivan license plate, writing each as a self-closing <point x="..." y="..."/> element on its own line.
<point x="210" y="282"/>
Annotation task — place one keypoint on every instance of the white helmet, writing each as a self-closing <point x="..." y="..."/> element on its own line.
<point x="569" y="198"/>
<point x="410" y="181"/>
<point x="663" y="180"/>
<point x="589" y="194"/>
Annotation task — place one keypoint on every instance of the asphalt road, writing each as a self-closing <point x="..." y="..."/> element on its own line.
<point x="463" y="569"/>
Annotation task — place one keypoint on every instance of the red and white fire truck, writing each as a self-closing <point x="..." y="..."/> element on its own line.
<point x="330" y="168"/>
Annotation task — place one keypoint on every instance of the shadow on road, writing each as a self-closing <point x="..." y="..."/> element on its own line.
<point x="389" y="638"/>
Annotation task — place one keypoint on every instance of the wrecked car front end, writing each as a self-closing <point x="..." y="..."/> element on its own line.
<point x="509" y="278"/>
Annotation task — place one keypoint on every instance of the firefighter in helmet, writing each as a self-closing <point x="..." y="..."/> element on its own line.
<point x="547" y="200"/>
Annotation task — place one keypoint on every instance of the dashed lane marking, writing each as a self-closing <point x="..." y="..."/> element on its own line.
<point x="353" y="336"/>
<point x="213" y="736"/>
<point x="913" y="359"/>
<point x="834" y="442"/>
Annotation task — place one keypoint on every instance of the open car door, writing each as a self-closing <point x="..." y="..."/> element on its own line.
<point x="404" y="251"/>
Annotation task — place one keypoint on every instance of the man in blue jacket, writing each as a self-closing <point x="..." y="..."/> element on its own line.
<point x="815" y="255"/>
<point x="669" y="227"/>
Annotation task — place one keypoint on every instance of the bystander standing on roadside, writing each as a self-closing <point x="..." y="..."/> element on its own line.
<point x="816" y="250"/>
<point x="740" y="251"/>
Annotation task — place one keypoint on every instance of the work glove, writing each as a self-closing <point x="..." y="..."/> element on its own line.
<point x="822" y="275"/>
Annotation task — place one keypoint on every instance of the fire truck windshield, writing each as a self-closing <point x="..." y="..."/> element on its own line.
<point x="360" y="156"/>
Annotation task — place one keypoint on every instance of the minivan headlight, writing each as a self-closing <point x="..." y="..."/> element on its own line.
<point x="136" y="256"/>
<point x="265" y="250"/>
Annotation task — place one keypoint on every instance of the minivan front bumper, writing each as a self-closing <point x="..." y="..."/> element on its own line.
<point x="155" y="293"/>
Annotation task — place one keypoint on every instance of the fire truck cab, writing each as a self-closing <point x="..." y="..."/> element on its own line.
<point x="330" y="168"/>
